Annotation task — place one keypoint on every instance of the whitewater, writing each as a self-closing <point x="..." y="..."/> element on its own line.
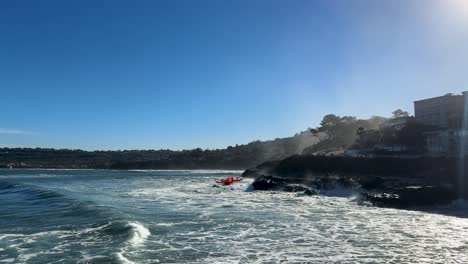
<point x="105" y="216"/>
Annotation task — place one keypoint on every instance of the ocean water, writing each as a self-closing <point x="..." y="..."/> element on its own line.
<point x="96" y="216"/>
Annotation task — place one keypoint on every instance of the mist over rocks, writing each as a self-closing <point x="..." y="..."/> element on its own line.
<point x="353" y="155"/>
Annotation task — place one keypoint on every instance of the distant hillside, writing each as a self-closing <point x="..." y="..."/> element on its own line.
<point x="235" y="157"/>
<point x="334" y="132"/>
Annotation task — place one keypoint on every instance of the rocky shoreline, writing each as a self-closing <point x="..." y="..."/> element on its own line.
<point x="384" y="182"/>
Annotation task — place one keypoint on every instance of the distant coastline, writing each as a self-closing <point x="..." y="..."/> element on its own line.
<point x="238" y="157"/>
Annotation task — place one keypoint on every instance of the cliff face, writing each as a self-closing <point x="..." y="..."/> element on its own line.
<point x="394" y="182"/>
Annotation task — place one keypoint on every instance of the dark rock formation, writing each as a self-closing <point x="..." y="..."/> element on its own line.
<point x="310" y="192"/>
<point x="372" y="183"/>
<point x="411" y="197"/>
<point x="299" y="188"/>
<point x="384" y="181"/>
<point x="274" y="183"/>
<point x="269" y="182"/>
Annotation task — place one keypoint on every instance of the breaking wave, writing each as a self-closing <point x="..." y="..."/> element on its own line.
<point x="54" y="218"/>
<point x="139" y="234"/>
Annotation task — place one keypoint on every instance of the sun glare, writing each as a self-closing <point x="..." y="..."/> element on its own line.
<point x="458" y="7"/>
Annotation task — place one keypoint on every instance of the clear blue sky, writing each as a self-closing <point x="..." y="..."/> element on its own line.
<point x="183" y="74"/>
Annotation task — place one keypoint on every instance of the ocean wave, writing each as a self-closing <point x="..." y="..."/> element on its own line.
<point x="102" y="240"/>
<point x="4" y="185"/>
<point x="139" y="234"/>
<point x="123" y="260"/>
<point x="33" y="192"/>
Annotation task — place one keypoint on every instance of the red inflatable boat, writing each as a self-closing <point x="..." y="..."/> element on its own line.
<point x="229" y="180"/>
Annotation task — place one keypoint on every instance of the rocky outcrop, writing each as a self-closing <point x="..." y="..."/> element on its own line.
<point x="274" y="183"/>
<point x="389" y="182"/>
<point x="413" y="197"/>
<point x="270" y="182"/>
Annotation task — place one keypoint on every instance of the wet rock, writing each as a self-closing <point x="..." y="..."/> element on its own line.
<point x="324" y="183"/>
<point x="294" y="188"/>
<point x="411" y="197"/>
<point x="347" y="182"/>
<point x="269" y="182"/>
<point x="275" y="183"/>
<point x="332" y="182"/>
<point x="310" y="192"/>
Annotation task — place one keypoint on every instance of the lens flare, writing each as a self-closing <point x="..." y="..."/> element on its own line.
<point x="458" y="8"/>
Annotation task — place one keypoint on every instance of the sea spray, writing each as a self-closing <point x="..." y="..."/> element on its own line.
<point x="139" y="234"/>
<point x="123" y="260"/>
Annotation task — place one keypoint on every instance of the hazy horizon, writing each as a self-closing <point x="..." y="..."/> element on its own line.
<point x="112" y="75"/>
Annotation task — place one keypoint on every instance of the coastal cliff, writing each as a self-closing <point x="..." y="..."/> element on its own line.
<point x="388" y="181"/>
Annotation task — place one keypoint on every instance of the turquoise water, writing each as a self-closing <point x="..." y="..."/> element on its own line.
<point x="95" y="216"/>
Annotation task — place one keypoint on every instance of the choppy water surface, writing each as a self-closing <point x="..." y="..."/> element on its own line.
<point x="90" y="216"/>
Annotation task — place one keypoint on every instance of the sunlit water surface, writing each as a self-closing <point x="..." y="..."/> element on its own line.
<point x="93" y="216"/>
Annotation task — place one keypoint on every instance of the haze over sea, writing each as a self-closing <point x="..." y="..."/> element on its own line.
<point x="103" y="216"/>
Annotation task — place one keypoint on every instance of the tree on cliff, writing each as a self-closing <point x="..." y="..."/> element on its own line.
<point x="400" y="113"/>
<point x="341" y="131"/>
<point x="329" y="125"/>
<point x="337" y="127"/>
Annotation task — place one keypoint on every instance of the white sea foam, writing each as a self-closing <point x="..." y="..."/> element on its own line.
<point x="139" y="235"/>
<point x="257" y="227"/>
<point x="10" y="236"/>
<point x="166" y="224"/>
<point x="26" y="257"/>
<point x="93" y="229"/>
<point x="122" y="259"/>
